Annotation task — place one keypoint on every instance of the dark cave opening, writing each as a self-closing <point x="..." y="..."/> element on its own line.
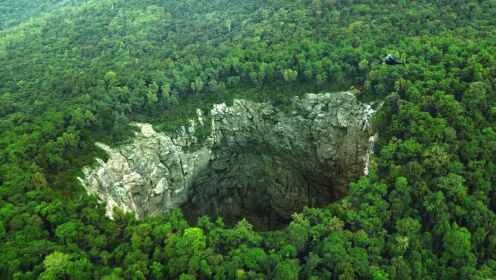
<point x="265" y="189"/>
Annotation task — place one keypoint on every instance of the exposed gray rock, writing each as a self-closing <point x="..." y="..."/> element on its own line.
<point x="258" y="163"/>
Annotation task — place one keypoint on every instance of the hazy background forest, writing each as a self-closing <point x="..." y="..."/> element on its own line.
<point x="76" y="71"/>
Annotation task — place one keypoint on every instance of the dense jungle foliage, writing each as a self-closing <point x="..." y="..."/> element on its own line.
<point x="72" y="72"/>
<point x="13" y="12"/>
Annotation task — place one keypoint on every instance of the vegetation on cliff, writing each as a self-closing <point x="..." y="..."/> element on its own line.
<point x="77" y="71"/>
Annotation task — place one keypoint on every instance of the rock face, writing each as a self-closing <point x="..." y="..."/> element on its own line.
<point x="258" y="162"/>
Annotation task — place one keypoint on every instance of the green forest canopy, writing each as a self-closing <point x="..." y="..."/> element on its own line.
<point x="76" y="71"/>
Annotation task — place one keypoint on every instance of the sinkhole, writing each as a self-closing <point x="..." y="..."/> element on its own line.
<point x="259" y="162"/>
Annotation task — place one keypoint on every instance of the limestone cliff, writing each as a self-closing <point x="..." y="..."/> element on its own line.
<point x="258" y="162"/>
